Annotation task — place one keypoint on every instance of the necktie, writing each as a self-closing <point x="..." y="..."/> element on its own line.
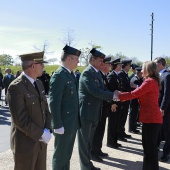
<point x="36" y="87"/>
<point x="73" y="76"/>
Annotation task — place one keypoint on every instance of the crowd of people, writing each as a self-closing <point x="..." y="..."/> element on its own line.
<point x="80" y="104"/>
<point x="5" y="81"/>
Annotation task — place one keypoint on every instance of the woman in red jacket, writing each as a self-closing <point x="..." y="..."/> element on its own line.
<point x="150" y="114"/>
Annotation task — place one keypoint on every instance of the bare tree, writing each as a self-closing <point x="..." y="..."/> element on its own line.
<point x="69" y="37"/>
<point x="44" y="48"/>
<point x="52" y="60"/>
<point x="84" y="57"/>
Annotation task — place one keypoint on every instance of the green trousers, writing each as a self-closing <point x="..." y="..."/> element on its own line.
<point x="63" y="148"/>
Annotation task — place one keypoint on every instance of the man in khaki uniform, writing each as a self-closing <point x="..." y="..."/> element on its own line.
<point x="31" y="119"/>
<point x="64" y="105"/>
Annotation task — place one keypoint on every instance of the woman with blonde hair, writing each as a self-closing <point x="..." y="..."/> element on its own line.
<point x="150" y="114"/>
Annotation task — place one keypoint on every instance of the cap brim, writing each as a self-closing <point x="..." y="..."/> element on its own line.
<point x="42" y="61"/>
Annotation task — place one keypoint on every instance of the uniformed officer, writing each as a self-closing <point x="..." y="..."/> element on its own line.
<point x="31" y="119"/>
<point x="114" y="83"/>
<point x="134" y="104"/>
<point x="45" y="78"/>
<point x="133" y="66"/>
<point x="126" y="87"/>
<point x="64" y="108"/>
<point x="99" y="133"/>
<point x="91" y="95"/>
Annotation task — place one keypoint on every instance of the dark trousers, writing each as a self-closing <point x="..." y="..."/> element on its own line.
<point x="113" y="126"/>
<point x="166" y="133"/>
<point x="99" y="134"/>
<point x="150" y="133"/>
<point x="123" y="117"/>
<point x="133" y="115"/>
<point x="36" y="161"/>
<point x="63" y="148"/>
<point x="85" y="139"/>
<point x="0" y="93"/>
<point x="5" y="95"/>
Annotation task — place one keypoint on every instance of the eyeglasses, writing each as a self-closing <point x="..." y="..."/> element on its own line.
<point x="35" y="63"/>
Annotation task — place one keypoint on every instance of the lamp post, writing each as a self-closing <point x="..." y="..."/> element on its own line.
<point x="152" y="35"/>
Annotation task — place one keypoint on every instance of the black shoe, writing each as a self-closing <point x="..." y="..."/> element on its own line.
<point x="135" y="131"/>
<point x="120" y="138"/>
<point x="127" y="136"/>
<point x="102" y="154"/>
<point x="164" y="158"/>
<point x="93" y="167"/>
<point x="114" y="146"/>
<point x="96" y="158"/>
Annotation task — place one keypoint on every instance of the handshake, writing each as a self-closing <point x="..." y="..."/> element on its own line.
<point x="116" y="95"/>
<point x="46" y="136"/>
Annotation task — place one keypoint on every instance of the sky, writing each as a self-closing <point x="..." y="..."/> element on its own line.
<point x="118" y="26"/>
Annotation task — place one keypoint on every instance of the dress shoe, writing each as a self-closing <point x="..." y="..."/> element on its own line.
<point x="121" y="138"/>
<point x="102" y="154"/>
<point x="127" y="136"/>
<point x="93" y="167"/>
<point x="114" y="146"/>
<point x="164" y="158"/>
<point x="96" y="158"/>
<point x="135" y="131"/>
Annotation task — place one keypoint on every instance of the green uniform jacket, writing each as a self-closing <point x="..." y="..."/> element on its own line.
<point x="64" y="100"/>
<point x="91" y="94"/>
<point x="30" y="115"/>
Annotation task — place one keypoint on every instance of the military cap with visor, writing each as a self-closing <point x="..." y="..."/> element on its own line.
<point x="37" y="57"/>
<point x="97" y="53"/>
<point x="116" y="61"/>
<point x="107" y="59"/>
<point x="126" y="61"/>
<point x="70" y="50"/>
<point x="134" y="66"/>
<point x="138" y="69"/>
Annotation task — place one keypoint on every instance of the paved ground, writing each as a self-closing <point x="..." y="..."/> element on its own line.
<point x="128" y="157"/>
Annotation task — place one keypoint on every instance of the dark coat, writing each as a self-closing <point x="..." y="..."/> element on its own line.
<point x="6" y="80"/>
<point x="164" y="95"/>
<point x="91" y="94"/>
<point x="125" y="81"/>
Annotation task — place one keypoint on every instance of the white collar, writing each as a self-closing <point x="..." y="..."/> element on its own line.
<point x="66" y="69"/>
<point x="94" y="68"/>
<point x="162" y="71"/>
<point x="29" y="78"/>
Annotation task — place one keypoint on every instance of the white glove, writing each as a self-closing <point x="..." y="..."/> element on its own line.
<point x="116" y="95"/>
<point x="59" y="131"/>
<point x="46" y="136"/>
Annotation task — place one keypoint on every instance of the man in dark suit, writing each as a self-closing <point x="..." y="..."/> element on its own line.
<point x="7" y="79"/>
<point x="64" y="107"/>
<point x="164" y="103"/>
<point x="114" y="83"/>
<point x="31" y="119"/>
<point x="99" y="133"/>
<point x="126" y="87"/>
<point x="91" y="95"/>
<point x="134" y="104"/>
<point x="1" y="83"/>
<point x="77" y="75"/>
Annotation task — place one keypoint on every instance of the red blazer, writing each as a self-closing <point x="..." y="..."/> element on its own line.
<point x="147" y="95"/>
